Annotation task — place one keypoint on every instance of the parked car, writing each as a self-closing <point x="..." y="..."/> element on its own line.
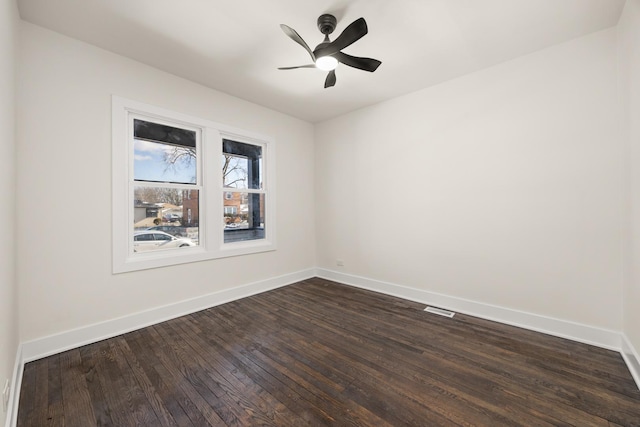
<point x="152" y="240"/>
<point x="174" y="230"/>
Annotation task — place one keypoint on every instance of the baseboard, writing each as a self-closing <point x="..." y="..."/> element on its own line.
<point x="53" y="344"/>
<point x="631" y="358"/>
<point x="561" y="328"/>
<point x="14" y="396"/>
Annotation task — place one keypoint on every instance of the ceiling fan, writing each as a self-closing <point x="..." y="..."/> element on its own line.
<point x="328" y="54"/>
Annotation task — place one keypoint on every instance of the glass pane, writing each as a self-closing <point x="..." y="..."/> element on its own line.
<point x="243" y="216"/>
<point x="235" y="171"/>
<point x="241" y="165"/>
<point x="165" y="218"/>
<point x="163" y="153"/>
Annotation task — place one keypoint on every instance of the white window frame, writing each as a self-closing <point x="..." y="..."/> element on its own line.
<point x="209" y="183"/>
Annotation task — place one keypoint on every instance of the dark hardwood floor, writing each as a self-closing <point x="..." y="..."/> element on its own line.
<point x="319" y="353"/>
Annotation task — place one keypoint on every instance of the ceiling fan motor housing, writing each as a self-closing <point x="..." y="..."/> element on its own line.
<point x="327" y="23"/>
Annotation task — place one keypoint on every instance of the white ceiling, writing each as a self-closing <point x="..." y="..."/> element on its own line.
<point x="235" y="46"/>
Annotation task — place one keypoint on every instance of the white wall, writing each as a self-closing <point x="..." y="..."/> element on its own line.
<point x="502" y="187"/>
<point x="8" y="290"/>
<point x="505" y="186"/>
<point x="64" y="187"/>
<point x="629" y="55"/>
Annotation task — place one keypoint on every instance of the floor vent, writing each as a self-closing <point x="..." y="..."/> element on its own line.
<point x="440" y="312"/>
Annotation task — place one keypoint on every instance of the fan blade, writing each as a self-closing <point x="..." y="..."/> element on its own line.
<point x="297" y="66"/>
<point x="354" y="32"/>
<point x="331" y="79"/>
<point x="293" y="35"/>
<point x="367" y="64"/>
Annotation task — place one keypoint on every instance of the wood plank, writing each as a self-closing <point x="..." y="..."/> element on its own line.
<point x="523" y="365"/>
<point x="273" y="409"/>
<point x="393" y="366"/>
<point x="28" y="394"/>
<point x="321" y="353"/>
<point x="173" y="397"/>
<point x="227" y="402"/>
<point x="76" y="399"/>
<point x="198" y="397"/>
<point x="55" y="408"/>
<point x="130" y="364"/>
<point x="102" y="405"/>
<point x="182" y="410"/>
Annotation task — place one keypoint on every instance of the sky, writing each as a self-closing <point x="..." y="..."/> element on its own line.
<point x="149" y="164"/>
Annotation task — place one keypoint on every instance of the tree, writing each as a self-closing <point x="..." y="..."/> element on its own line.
<point x="159" y="195"/>
<point x="179" y="156"/>
<point x="233" y="171"/>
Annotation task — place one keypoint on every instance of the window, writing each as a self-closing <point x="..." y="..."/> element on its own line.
<point x="165" y="174"/>
<point x="143" y="238"/>
<point x="244" y="193"/>
<point x="206" y="185"/>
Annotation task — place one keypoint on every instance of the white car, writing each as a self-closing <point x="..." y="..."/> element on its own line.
<point x="152" y="240"/>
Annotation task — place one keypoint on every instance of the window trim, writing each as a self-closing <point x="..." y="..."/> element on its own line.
<point x="209" y="169"/>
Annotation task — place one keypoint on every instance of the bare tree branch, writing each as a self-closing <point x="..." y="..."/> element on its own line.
<point x="184" y="156"/>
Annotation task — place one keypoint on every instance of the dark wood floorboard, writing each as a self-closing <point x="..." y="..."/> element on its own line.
<point x="319" y="353"/>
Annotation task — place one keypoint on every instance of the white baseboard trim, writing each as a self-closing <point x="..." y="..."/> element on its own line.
<point x="53" y="344"/>
<point x="14" y="395"/>
<point x="631" y="358"/>
<point x="561" y="328"/>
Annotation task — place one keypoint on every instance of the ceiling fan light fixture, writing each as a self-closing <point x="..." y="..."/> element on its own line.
<point x="328" y="54"/>
<point x="326" y="63"/>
